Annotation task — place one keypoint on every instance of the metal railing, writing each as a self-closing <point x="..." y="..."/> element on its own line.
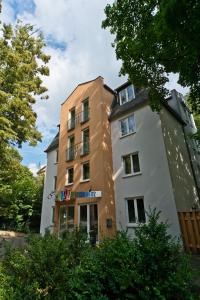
<point x="85" y="148"/>
<point x="80" y="117"/>
<point x="71" y="123"/>
<point x="70" y="153"/>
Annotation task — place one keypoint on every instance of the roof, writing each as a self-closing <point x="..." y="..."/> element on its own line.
<point x="54" y="144"/>
<point x="86" y="82"/>
<point x="173" y="112"/>
<point x="117" y="110"/>
<point x="141" y="98"/>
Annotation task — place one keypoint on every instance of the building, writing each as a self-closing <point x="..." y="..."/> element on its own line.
<point x="112" y="159"/>
<point x="151" y="161"/>
<point x="84" y="175"/>
<point x="177" y="102"/>
<point x="48" y="203"/>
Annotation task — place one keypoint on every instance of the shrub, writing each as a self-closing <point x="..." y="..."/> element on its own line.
<point x="152" y="266"/>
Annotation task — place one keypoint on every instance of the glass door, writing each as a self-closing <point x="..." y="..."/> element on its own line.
<point x="88" y="220"/>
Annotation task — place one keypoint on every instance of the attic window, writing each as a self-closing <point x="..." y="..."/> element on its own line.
<point x="126" y="94"/>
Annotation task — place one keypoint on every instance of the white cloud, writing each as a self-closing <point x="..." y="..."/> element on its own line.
<point x="88" y="53"/>
<point x="33" y="168"/>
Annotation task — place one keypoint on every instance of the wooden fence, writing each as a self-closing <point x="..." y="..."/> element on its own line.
<point x="190" y="227"/>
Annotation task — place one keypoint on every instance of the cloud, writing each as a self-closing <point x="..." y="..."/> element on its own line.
<point x="33" y="167"/>
<point x="80" y="49"/>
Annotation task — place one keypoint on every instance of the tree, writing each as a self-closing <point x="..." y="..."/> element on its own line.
<point x="20" y="194"/>
<point x="22" y="62"/>
<point x="154" y="38"/>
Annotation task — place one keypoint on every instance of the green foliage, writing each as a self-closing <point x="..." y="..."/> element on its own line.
<point x="20" y="194"/>
<point x="154" y="38"/>
<point x="151" y="266"/>
<point x="22" y="63"/>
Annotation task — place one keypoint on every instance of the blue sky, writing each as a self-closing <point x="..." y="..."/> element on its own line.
<point x="80" y="51"/>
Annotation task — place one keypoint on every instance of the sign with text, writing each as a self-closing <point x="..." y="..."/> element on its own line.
<point x="67" y="195"/>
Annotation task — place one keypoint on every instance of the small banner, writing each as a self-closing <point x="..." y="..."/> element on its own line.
<point x="67" y="195"/>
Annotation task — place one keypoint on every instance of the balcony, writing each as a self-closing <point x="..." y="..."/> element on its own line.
<point x="71" y="124"/>
<point x="70" y="153"/>
<point x="85" y="148"/>
<point x="84" y="116"/>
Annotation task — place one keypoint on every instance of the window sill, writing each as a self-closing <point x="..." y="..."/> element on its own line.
<point x="68" y="184"/>
<point x="84" y="154"/>
<point x="125" y="135"/>
<point x="132" y="175"/>
<point x="132" y="225"/>
<point x="86" y="180"/>
<point x="84" y="121"/>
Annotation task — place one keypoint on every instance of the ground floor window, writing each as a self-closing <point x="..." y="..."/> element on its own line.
<point x="135" y="210"/>
<point x="66" y="217"/>
<point x="88" y="220"/>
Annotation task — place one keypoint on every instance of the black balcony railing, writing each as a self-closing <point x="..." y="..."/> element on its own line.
<point x="71" y="124"/>
<point x="85" y="148"/>
<point x="70" y="153"/>
<point x="85" y="115"/>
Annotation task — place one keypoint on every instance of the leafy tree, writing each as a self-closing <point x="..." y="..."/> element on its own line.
<point x="22" y="62"/>
<point x="154" y="38"/>
<point x="20" y="194"/>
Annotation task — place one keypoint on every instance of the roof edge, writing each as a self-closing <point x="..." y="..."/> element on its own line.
<point x="86" y="82"/>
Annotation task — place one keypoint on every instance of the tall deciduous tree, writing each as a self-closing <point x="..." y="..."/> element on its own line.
<point x="22" y="63"/>
<point x="154" y="38"/>
<point x="20" y="193"/>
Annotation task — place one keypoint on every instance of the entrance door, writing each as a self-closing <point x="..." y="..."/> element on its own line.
<point x="88" y="220"/>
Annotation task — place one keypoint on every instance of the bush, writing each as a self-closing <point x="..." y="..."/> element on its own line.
<point x="152" y="266"/>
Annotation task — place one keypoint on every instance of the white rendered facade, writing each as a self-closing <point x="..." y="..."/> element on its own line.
<point x="153" y="182"/>
<point x="49" y="192"/>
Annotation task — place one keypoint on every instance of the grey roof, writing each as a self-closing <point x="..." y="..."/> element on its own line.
<point x="117" y="110"/>
<point x="141" y="97"/>
<point x="54" y="144"/>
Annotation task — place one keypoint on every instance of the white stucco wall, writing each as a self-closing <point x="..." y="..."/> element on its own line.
<point x="47" y="204"/>
<point x="154" y="182"/>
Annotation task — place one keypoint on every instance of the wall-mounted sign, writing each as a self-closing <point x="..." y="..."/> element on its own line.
<point x="67" y="195"/>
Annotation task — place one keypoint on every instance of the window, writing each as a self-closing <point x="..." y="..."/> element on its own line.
<point x="70" y="176"/>
<point x="127" y="125"/>
<point x="85" y="111"/>
<point x="70" y="149"/>
<point x="86" y="171"/>
<point x="135" y="211"/>
<point x="126" y="94"/>
<point x="88" y="220"/>
<point x="55" y="182"/>
<point x="53" y="214"/>
<point x="56" y="156"/>
<point x="72" y="118"/>
<point x="131" y="164"/>
<point x="85" y="141"/>
<point x="70" y="217"/>
<point x="66" y="217"/>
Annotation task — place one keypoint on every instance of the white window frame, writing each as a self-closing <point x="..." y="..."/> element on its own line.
<point x="84" y="163"/>
<point x="88" y="216"/>
<point x="82" y="113"/>
<point x="125" y="89"/>
<point x="70" y="117"/>
<point x="67" y="176"/>
<point x="82" y="139"/>
<point x="136" y="224"/>
<point x="132" y="170"/>
<point x="126" y="118"/>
